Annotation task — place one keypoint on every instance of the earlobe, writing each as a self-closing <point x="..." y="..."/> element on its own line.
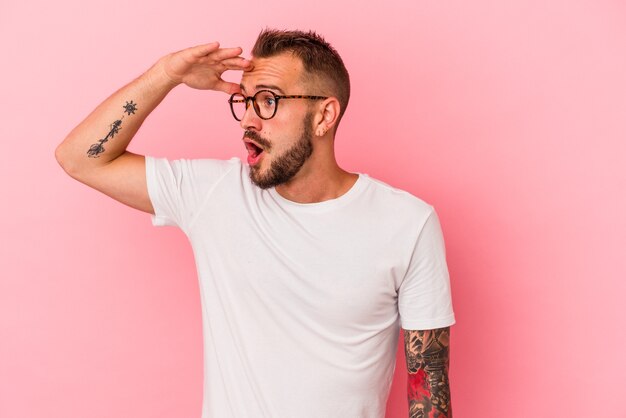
<point x="330" y="113"/>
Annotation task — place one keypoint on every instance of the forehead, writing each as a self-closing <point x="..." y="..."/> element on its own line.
<point x="282" y="71"/>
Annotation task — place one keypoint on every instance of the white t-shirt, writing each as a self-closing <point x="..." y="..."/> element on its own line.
<point x="302" y="303"/>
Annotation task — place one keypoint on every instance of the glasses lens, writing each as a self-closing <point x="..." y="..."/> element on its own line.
<point x="265" y="103"/>
<point x="238" y="106"/>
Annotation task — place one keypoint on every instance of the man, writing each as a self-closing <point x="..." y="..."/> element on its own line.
<point x="306" y="271"/>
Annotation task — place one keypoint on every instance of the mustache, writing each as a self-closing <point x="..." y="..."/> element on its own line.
<point x="258" y="139"/>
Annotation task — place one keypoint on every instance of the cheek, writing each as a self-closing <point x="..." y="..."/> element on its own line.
<point x="283" y="129"/>
<point x="275" y="132"/>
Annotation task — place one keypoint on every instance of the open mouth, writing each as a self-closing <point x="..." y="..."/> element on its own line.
<point x="254" y="152"/>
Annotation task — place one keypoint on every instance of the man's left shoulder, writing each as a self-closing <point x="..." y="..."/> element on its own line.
<point x="398" y="199"/>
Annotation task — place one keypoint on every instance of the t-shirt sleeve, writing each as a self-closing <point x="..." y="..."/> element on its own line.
<point x="424" y="297"/>
<point x="179" y="188"/>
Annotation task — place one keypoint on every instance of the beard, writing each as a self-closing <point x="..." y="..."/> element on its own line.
<point x="285" y="166"/>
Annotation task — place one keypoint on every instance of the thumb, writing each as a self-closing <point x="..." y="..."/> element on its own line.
<point x="227" y="87"/>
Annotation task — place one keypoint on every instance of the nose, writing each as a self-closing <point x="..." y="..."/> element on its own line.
<point x="250" y="119"/>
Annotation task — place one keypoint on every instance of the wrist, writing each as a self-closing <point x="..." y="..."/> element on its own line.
<point x="158" y="78"/>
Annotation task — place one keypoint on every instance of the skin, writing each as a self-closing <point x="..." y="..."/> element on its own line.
<point x="320" y="178"/>
<point x="107" y="166"/>
<point x="117" y="172"/>
<point x="284" y="166"/>
<point x="427" y="360"/>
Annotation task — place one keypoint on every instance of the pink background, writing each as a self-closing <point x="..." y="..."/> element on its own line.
<point x="508" y="116"/>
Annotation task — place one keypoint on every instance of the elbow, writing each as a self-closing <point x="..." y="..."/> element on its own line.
<point x="61" y="156"/>
<point x="66" y="160"/>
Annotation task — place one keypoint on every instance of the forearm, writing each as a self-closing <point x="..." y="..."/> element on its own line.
<point x="105" y="134"/>
<point x="427" y="355"/>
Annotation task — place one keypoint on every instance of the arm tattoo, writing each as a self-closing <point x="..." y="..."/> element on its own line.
<point x="98" y="148"/>
<point x="427" y="361"/>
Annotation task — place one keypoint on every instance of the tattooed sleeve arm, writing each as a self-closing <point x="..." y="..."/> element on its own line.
<point x="95" y="153"/>
<point x="427" y="360"/>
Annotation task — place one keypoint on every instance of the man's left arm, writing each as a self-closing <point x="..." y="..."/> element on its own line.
<point x="427" y="361"/>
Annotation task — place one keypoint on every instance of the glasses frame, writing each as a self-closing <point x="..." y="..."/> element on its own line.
<point x="277" y="97"/>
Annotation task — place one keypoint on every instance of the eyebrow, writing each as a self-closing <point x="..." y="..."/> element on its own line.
<point x="264" y="86"/>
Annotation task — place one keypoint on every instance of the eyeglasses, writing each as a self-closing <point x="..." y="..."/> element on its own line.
<point x="265" y="103"/>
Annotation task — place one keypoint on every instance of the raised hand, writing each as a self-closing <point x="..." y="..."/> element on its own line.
<point x="202" y="66"/>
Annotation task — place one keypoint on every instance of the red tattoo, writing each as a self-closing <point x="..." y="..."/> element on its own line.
<point x="427" y="364"/>
<point x="418" y="386"/>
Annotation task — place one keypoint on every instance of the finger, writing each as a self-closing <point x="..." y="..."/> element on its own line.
<point x="205" y="49"/>
<point x="226" y="53"/>
<point x="227" y="87"/>
<point x="237" y="63"/>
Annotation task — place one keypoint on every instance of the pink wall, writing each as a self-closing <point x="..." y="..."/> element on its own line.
<point x="508" y="116"/>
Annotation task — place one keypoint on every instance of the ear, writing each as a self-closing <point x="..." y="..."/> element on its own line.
<point x="327" y="116"/>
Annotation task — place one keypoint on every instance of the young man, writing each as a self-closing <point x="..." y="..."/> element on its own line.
<point x="306" y="271"/>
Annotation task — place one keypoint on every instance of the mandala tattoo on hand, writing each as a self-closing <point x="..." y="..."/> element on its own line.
<point x="98" y="148"/>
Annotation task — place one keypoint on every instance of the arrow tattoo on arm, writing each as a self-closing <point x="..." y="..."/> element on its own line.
<point x="98" y="148"/>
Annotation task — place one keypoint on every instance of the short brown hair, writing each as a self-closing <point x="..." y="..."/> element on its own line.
<point x="318" y="58"/>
